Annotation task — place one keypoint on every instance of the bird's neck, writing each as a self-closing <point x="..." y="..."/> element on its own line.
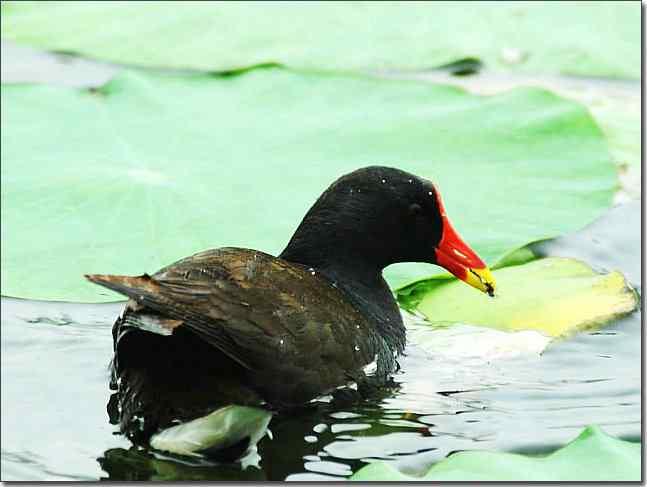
<point x="363" y="285"/>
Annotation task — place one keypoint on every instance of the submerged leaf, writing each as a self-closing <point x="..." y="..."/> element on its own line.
<point x="150" y="168"/>
<point x="554" y="295"/>
<point x="215" y="431"/>
<point x="592" y="456"/>
<point x="581" y="38"/>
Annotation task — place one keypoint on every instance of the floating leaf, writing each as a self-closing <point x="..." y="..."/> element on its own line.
<point x="553" y="295"/>
<point x="592" y="456"/>
<point x="581" y="38"/>
<point x="150" y="168"/>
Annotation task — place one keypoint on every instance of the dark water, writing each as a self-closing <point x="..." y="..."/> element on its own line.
<point x="465" y="388"/>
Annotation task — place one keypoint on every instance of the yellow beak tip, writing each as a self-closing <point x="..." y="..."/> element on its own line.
<point x="482" y="280"/>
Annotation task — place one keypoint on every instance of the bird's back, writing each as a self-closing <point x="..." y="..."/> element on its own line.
<point x="234" y="326"/>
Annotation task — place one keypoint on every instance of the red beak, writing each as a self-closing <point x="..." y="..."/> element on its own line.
<point x="457" y="257"/>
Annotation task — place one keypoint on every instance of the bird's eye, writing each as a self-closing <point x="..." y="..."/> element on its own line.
<point x="415" y="208"/>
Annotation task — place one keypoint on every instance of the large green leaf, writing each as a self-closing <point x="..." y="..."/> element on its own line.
<point x="554" y="295"/>
<point x="582" y="38"/>
<point x="592" y="456"/>
<point x="148" y="169"/>
<point x="615" y="106"/>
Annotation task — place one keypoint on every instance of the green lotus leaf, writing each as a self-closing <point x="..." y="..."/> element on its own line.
<point x="151" y="168"/>
<point x="553" y="295"/>
<point x="592" y="456"/>
<point x="580" y="38"/>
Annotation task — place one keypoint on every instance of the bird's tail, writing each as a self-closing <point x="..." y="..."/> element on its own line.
<point x="131" y="286"/>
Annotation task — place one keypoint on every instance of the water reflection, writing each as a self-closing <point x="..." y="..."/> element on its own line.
<point x="529" y="404"/>
<point x="133" y="465"/>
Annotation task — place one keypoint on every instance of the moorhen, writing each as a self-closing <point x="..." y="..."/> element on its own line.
<point x="234" y="326"/>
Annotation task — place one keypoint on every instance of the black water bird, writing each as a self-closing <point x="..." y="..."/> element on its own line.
<point x="239" y="326"/>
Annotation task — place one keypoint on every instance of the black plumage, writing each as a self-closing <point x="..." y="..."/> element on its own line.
<point x="239" y="326"/>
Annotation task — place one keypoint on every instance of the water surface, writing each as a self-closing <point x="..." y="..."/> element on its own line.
<point x="466" y="388"/>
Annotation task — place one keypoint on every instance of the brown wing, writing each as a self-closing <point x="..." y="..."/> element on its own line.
<point x="292" y="330"/>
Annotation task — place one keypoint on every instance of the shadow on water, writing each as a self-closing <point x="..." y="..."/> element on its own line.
<point x="54" y="392"/>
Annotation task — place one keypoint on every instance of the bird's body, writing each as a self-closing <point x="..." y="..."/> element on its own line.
<point x="239" y="326"/>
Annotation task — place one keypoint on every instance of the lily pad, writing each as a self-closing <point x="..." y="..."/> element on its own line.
<point x="580" y="38"/>
<point x="151" y="168"/>
<point x="554" y="295"/>
<point x="592" y="456"/>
